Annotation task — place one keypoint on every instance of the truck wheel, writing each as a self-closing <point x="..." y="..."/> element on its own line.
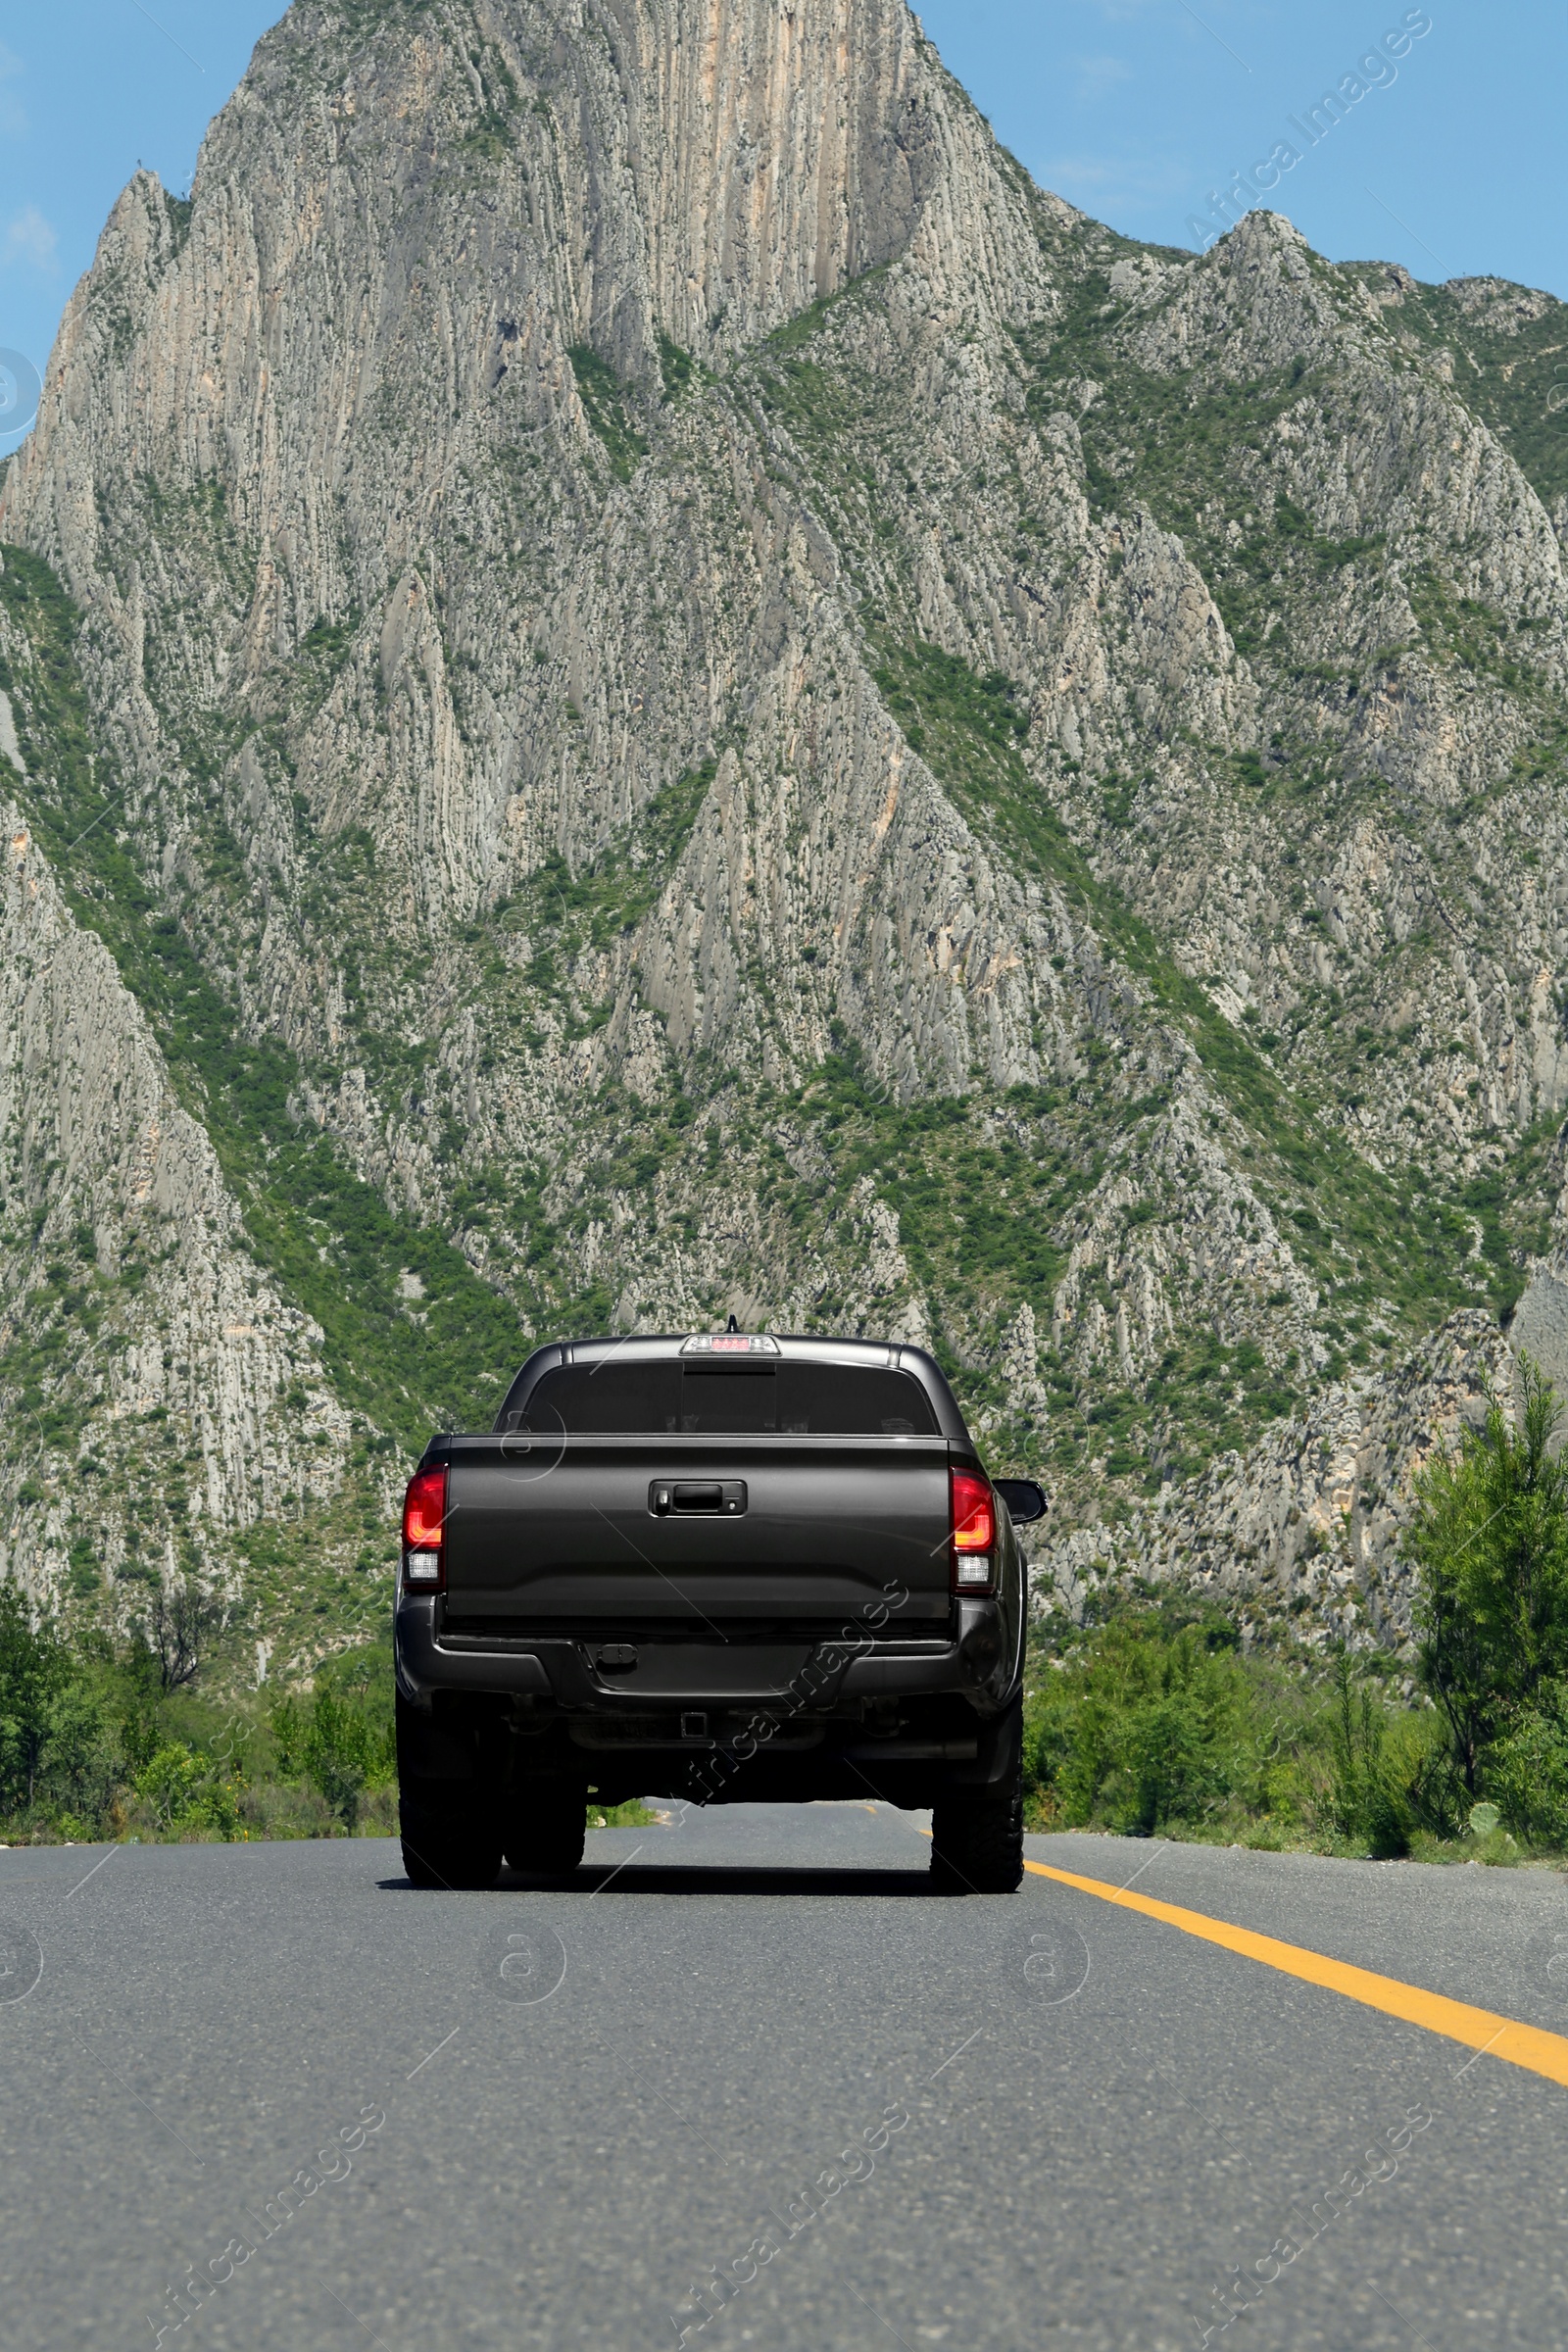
<point x="545" y="1839"/>
<point x="978" y="1849"/>
<point x="443" y="1849"/>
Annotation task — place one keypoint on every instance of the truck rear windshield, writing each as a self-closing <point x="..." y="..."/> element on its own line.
<point x="788" y="1400"/>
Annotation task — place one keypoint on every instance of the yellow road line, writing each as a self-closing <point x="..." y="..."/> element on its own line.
<point x="1479" y="2029"/>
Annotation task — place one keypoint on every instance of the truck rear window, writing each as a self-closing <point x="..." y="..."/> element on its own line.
<point x="787" y="1399"/>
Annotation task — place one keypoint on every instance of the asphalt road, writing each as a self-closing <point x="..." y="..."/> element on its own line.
<point x="556" y="2113"/>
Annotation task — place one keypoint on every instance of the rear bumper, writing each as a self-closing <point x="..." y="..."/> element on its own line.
<point x="785" y="1681"/>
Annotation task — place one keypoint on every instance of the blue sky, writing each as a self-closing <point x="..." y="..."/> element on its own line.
<point x="1136" y="110"/>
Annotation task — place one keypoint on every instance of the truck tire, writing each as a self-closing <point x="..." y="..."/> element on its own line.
<point x="543" y="1839"/>
<point x="978" y="1848"/>
<point x="449" y="1850"/>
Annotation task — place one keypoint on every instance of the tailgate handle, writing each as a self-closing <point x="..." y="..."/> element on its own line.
<point x="705" y="1498"/>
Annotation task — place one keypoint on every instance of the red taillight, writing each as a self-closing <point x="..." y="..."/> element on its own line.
<point x="975" y="1517"/>
<point x="975" y="1531"/>
<point x="424" y="1525"/>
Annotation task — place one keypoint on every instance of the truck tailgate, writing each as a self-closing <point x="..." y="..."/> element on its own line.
<point x="694" y="1535"/>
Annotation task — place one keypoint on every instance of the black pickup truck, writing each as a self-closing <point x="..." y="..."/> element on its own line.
<point x="729" y="1567"/>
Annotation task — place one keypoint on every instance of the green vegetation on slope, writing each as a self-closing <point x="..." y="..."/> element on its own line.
<point x="327" y="1236"/>
<point x="104" y="1740"/>
<point x="608" y="899"/>
<point x="1201" y="449"/>
<point x="604" y="401"/>
<point x="1510" y="353"/>
<point x="1354" y="1225"/>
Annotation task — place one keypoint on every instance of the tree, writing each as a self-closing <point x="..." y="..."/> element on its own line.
<point x="1489" y="1541"/>
<point x="183" y="1621"/>
<point x="35" y="1668"/>
<point x="82" y="1758"/>
<point x="339" y="1753"/>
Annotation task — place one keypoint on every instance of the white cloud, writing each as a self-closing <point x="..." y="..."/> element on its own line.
<point x="1115" y="180"/>
<point x="29" y="238"/>
<point x="1098" y="75"/>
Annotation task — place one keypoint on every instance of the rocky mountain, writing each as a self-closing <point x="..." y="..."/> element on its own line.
<point x="640" y="682"/>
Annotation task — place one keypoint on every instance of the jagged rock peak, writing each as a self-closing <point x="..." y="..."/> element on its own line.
<point x="401" y="207"/>
<point x="727" y="140"/>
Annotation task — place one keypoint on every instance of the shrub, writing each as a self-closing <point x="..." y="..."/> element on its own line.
<point x="1147" y="1728"/>
<point x="1526" y="1772"/>
<point x="342" y="1743"/>
<point x="35" y="1669"/>
<point x="1386" y="1772"/>
<point x="186" y="1798"/>
<point x="1489" y="1541"/>
<point x="340" y="1754"/>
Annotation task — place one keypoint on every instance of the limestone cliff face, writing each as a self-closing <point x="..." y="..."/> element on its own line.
<point x="149" y="1356"/>
<point x="1306" y="1525"/>
<point x="745" y="710"/>
<point x="348" y="379"/>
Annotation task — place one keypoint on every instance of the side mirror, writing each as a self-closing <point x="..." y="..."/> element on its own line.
<point x="1024" y="1497"/>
